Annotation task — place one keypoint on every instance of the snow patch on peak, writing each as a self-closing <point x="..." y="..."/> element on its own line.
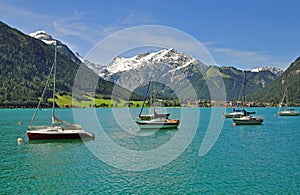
<point x="39" y="33"/>
<point x="64" y="49"/>
<point x="121" y="64"/>
<point x="80" y="58"/>
<point x="44" y="36"/>
<point x="255" y="70"/>
<point x="276" y="71"/>
<point x="169" y="57"/>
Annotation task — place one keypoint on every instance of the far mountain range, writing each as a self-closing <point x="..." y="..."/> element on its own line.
<point x="171" y="67"/>
<point x="134" y="72"/>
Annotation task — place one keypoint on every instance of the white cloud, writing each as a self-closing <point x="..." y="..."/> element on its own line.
<point x="129" y="19"/>
<point x="246" y="59"/>
<point x="108" y="30"/>
<point x="79" y="26"/>
<point x="23" y="18"/>
<point x="73" y="25"/>
<point x="136" y="18"/>
<point x="76" y="31"/>
<point x="147" y="36"/>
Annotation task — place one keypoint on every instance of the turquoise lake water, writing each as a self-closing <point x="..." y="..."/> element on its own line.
<point x="260" y="159"/>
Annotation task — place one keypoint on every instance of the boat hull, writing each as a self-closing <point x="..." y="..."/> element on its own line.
<point x="285" y="113"/>
<point x="247" y="121"/>
<point x="168" y="124"/>
<point x="36" y="135"/>
<point x="233" y="115"/>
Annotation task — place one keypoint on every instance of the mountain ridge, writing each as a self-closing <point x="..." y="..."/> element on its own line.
<point x="125" y="71"/>
<point x="62" y="48"/>
<point x="290" y="79"/>
<point x="25" y="64"/>
<point x="131" y="62"/>
<point x="132" y="72"/>
<point x="276" y="71"/>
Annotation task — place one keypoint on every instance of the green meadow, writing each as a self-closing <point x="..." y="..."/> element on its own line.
<point x="67" y="101"/>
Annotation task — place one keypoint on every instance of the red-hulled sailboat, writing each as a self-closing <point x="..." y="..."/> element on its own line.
<point x="58" y="129"/>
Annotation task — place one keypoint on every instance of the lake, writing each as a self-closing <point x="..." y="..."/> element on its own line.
<point x="207" y="154"/>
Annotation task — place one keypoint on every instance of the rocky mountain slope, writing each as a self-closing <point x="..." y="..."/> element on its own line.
<point x="172" y="68"/>
<point x="62" y="48"/>
<point x="25" y="64"/>
<point x="273" y="93"/>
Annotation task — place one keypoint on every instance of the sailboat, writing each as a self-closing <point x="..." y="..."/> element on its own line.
<point x="236" y="113"/>
<point x="59" y="129"/>
<point x="287" y="111"/>
<point x="155" y="120"/>
<point x="247" y="118"/>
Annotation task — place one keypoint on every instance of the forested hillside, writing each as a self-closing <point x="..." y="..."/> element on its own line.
<point x="25" y="63"/>
<point x="234" y="78"/>
<point x="273" y="93"/>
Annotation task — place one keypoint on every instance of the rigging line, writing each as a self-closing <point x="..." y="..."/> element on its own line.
<point x="154" y="90"/>
<point x="153" y="67"/>
<point x="283" y="101"/>
<point x="148" y="87"/>
<point x="240" y="94"/>
<point x="42" y="97"/>
<point x="244" y="90"/>
<point x="54" y="78"/>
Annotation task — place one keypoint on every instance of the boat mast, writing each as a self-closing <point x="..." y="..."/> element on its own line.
<point x="244" y="85"/>
<point x="154" y="89"/>
<point x="286" y="98"/>
<point x="54" y="79"/>
<point x="145" y="97"/>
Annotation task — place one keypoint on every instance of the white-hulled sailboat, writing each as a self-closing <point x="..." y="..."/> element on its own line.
<point x="58" y="129"/>
<point x="286" y="111"/>
<point x="247" y="118"/>
<point x="155" y="120"/>
<point x="236" y="113"/>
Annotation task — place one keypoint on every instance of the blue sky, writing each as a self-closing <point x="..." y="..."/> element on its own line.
<point x="244" y="34"/>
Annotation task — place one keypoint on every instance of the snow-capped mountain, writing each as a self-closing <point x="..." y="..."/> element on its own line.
<point x="276" y="71"/>
<point x="62" y="48"/>
<point x="173" y="69"/>
<point x="99" y="69"/>
<point x="169" y="66"/>
<point x="168" y="56"/>
<point x="176" y="69"/>
<point x="42" y="35"/>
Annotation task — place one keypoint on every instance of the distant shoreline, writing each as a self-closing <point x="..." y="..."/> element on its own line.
<point x="23" y="107"/>
<point x="69" y="102"/>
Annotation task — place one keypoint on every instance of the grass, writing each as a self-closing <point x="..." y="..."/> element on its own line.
<point x="64" y="101"/>
<point x="213" y="72"/>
